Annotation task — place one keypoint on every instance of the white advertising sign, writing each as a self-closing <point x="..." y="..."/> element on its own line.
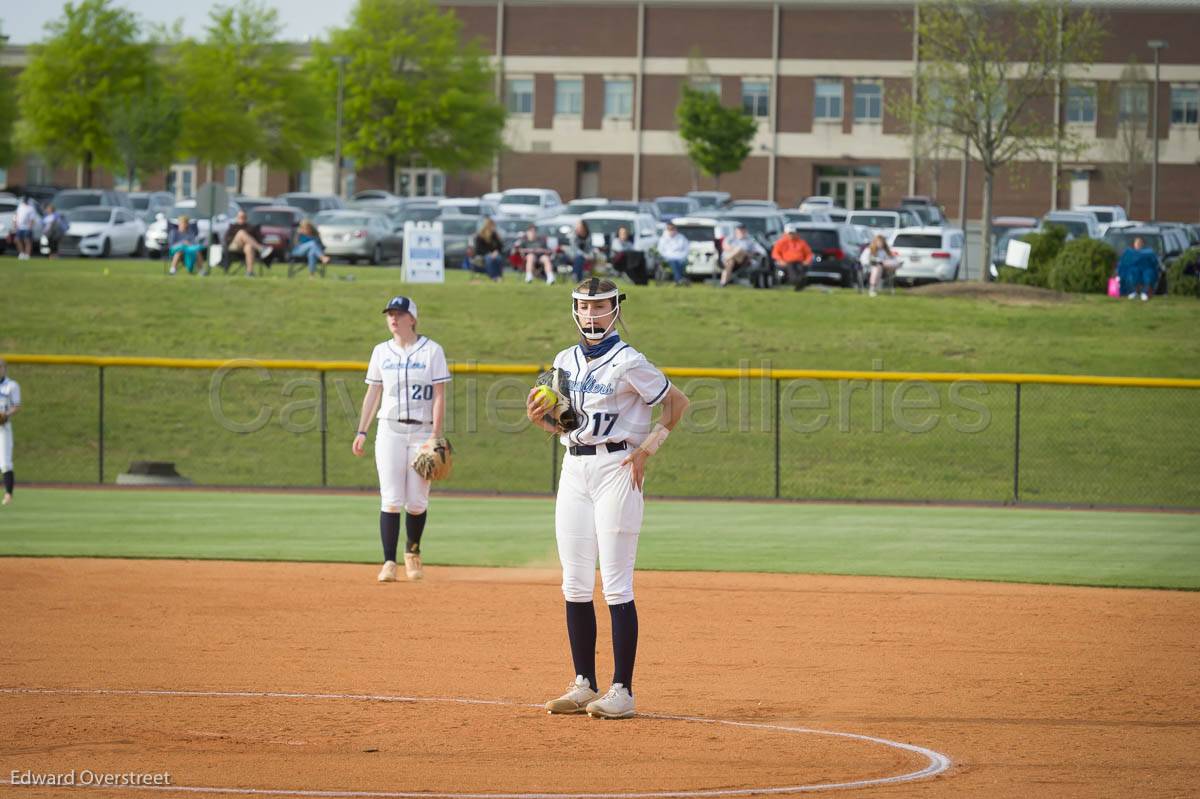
<point x="424" y="253"/>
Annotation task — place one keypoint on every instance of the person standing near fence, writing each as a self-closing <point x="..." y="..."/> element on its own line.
<point x="406" y="392"/>
<point x="10" y="405"/>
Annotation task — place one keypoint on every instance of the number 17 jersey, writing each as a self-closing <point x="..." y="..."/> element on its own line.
<point x="614" y="394"/>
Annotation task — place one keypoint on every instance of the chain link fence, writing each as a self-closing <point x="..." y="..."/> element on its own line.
<point x="753" y="433"/>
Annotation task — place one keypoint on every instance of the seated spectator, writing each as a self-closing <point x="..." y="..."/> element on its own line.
<point x="627" y="259"/>
<point x="490" y="247"/>
<point x="183" y="244"/>
<point x="535" y="252"/>
<point x="54" y="227"/>
<point x="674" y="249"/>
<point x="1138" y="270"/>
<point x="310" y="247"/>
<point x="580" y="249"/>
<point x="739" y="251"/>
<point x="879" y="258"/>
<point x="793" y="255"/>
<point x="245" y="239"/>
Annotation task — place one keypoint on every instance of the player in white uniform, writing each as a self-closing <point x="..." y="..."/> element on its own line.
<point x="599" y="509"/>
<point x="406" y="392"/>
<point x="10" y="404"/>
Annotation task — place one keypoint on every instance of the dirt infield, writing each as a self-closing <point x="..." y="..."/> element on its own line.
<point x="167" y="666"/>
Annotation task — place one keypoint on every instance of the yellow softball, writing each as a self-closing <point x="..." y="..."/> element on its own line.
<point x="545" y="395"/>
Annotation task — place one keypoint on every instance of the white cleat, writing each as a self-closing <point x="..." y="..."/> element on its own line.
<point x="577" y="697"/>
<point x="7" y="499"/>
<point x="388" y="573"/>
<point x="412" y="566"/>
<point x="616" y="704"/>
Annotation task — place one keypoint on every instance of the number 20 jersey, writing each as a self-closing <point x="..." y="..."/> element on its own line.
<point x="614" y="394"/>
<point x="408" y="375"/>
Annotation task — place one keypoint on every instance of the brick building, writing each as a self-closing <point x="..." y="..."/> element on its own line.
<point x="591" y="88"/>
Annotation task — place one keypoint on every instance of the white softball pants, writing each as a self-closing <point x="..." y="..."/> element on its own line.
<point x="400" y="488"/>
<point x="6" y="441"/>
<point x="598" y="515"/>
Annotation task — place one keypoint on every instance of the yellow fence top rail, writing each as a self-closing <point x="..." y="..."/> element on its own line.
<point x="533" y="369"/>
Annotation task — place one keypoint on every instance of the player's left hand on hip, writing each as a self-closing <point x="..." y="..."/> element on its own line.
<point x="637" y="463"/>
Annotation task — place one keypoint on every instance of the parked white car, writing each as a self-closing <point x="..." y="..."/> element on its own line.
<point x="100" y="231"/>
<point x="531" y="203"/>
<point x="885" y="222"/>
<point x="819" y="201"/>
<point x="643" y="231"/>
<point x="1106" y="215"/>
<point x="1079" y="224"/>
<point x="156" y="234"/>
<point x="467" y="206"/>
<point x="705" y="236"/>
<point x="928" y="253"/>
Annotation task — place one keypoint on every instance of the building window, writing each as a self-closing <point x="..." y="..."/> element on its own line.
<point x="1133" y="102"/>
<point x="568" y="97"/>
<point x="618" y="98"/>
<point x="519" y="94"/>
<point x="1185" y="105"/>
<point x="710" y="85"/>
<point x="828" y="102"/>
<point x="1081" y="104"/>
<point x="868" y="102"/>
<point x="231" y="171"/>
<point x="756" y="98"/>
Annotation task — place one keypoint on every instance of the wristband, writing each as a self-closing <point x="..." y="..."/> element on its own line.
<point x="360" y="433"/>
<point x="655" y="440"/>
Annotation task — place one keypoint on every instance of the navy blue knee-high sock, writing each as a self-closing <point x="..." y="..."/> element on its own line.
<point x="625" y="636"/>
<point x="581" y="630"/>
<point x="414" y="526"/>
<point x="9" y="482"/>
<point x="389" y="533"/>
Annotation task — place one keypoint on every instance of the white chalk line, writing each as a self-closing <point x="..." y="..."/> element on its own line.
<point x="937" y="762"/>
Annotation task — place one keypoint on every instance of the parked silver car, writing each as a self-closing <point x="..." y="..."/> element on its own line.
<point x="311" y="204"/>
<point x="458" y="237"/>
<point x="359" y="236"/>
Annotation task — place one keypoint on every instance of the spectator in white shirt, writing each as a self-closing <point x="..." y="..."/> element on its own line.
<point x="673" y="247"/>
<point x="740" y="250"/>
<point x="26" y="214"/>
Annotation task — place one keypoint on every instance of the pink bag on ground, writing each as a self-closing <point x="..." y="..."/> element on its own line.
<point x="1114" y="286"/>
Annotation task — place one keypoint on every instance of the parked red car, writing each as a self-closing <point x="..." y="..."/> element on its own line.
<point x="278" y="224"/>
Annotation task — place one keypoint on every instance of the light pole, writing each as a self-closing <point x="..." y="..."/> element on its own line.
<point x="1155" y="45"/>
<point x="340" y="60"/>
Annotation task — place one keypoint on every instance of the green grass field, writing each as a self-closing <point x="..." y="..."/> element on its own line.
<point x="1069" y="547"/>
<point x="1079" y="445"/>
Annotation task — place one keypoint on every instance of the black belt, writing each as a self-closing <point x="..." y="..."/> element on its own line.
<point x="410" y="421"/>
<point x="590" y="449"/>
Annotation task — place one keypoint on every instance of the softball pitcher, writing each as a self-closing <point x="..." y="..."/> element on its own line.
<point x="606" y="391"/>
<point x="406" y="392"/>
<point x="10" y="404"/>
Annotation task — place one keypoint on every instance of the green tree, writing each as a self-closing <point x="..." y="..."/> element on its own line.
<point x="89" y="64"/>
<point x="413" y="93"/>
<point x="717" y="138"/>
<point x="245" y="98"/>
<point x="146" y="127"/>
<point x="985" y="67"/>
<point x="8" y="116"/>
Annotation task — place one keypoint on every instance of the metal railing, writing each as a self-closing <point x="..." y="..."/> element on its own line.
<point x="755" y="432"/>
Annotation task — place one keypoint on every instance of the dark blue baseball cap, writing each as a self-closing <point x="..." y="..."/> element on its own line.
<point x="404" y="304"/>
